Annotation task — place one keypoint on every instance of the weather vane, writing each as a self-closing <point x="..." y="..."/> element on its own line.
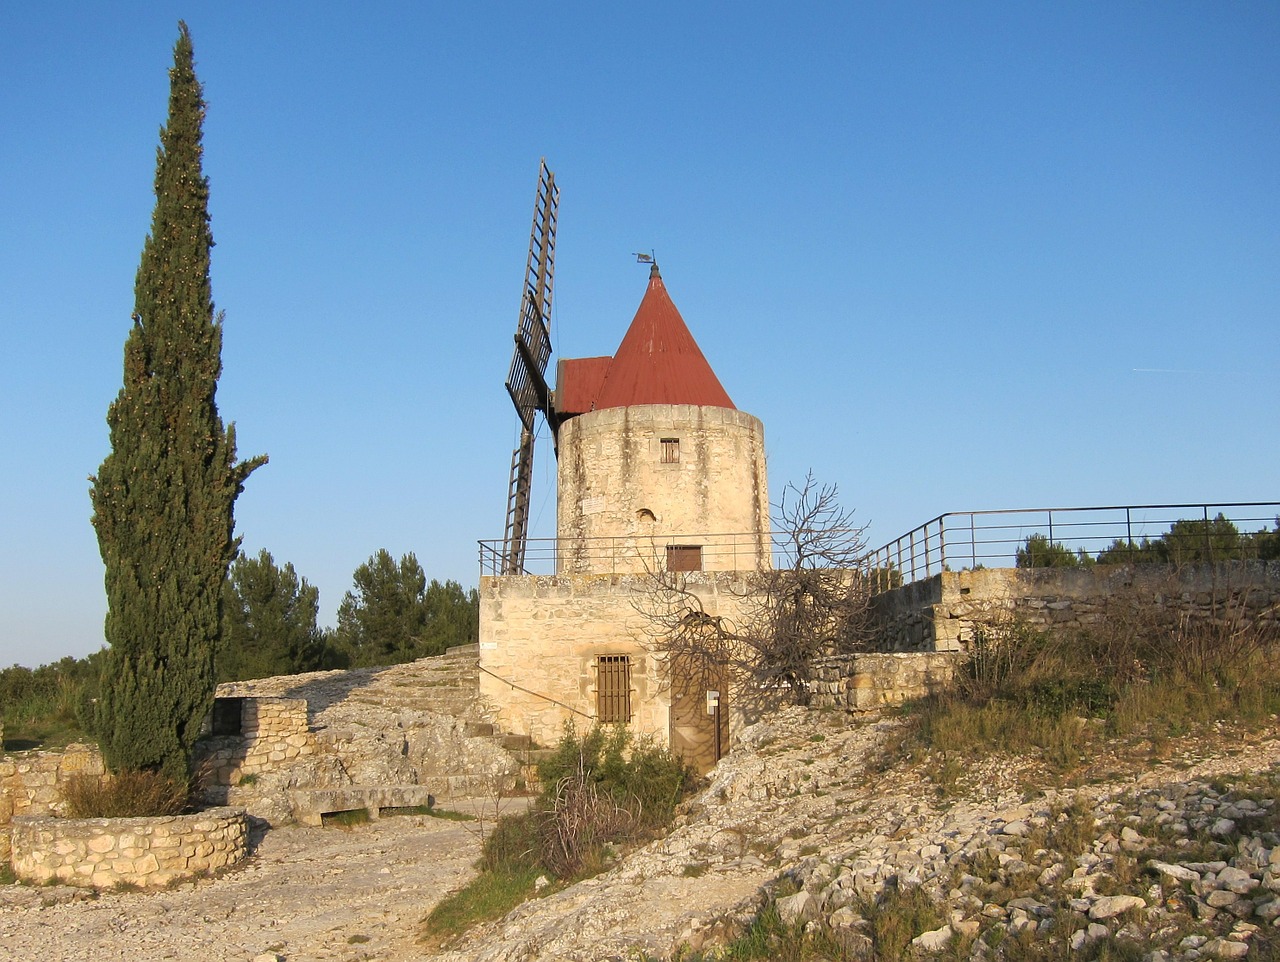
<point x="649" y="258"/>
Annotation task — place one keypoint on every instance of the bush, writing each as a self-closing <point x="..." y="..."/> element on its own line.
<point x="126" y="795"/>
<point x="41" y="708"/>
<point x="602" y="787"/>
<point x="514" y="842"/>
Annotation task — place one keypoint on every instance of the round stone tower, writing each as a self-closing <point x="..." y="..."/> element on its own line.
<point x="657" y="470"/>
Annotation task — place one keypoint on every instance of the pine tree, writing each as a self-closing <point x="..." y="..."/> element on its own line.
<point x="269" y="622"/>
<point x="394" y="615"/>
<point x="164" y="498"/>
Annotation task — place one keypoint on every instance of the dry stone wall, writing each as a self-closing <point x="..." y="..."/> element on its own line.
<point x="943" y="613"/>
<point x="273" y="732"/>
<point x="31" y="783"/>
<point x="868" y="682"/>
<point x="110" y="852"/>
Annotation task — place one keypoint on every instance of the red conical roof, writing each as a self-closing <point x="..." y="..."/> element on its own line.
<point x="658" y="361"/>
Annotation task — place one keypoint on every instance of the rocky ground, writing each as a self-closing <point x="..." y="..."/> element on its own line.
<point x="1167" y="861"/>
<point x="1173" y="855"/>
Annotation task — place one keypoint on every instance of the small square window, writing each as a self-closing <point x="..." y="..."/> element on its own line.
<point x="670" y="450"/>
<point x="227" y="717"/>
<point x="613" y="689"/>
<point x="684" y="557"/>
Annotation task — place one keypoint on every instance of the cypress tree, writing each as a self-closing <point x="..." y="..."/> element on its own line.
<point x="163" y="499"/>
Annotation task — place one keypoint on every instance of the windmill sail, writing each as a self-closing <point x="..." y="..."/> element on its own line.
<point x="526" y="382"/>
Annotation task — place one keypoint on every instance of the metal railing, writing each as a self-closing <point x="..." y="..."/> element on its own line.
<point x="993" y="539"/>
<point x="733" y="551"/>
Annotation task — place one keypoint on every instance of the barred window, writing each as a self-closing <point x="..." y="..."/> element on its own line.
<point x="613" y="688"/>
<point x="684" y="557"/>
<point x="670" y="450"/>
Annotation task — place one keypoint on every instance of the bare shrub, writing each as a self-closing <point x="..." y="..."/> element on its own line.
<point x="125" y="795"/>
<point x="580" y="822"/>
<point x="817" y="604"/>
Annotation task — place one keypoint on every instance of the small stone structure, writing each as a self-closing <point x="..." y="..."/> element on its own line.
<point x="868" y="682"/>
<point x="31" y="783"/>
<point x="108" y="852"/>
<point x="942" y="613"/>
<point x="251" y="736"/>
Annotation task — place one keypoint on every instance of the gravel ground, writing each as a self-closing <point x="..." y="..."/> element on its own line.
<point x="305" y="893"/>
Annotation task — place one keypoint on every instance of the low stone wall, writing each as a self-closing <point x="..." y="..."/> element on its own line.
<point x="109" y="852"/>
<point x="867" y="682"/>
<point x="31" y="783"/>
<point x="943" y="613"/>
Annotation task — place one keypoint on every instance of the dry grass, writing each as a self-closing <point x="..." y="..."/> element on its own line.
<point x="126" y="795"/>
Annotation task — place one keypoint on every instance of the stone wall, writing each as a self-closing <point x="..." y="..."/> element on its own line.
<point x="942" y="613"/>
<point x="867" y="682"/>
<point x="109" y="852"/>
<point x="272" y="733"/>
<point x="31" y="783"/>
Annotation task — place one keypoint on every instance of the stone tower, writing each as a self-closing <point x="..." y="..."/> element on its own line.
<point x="657" y="471"/>
<point x="656" y="467"/>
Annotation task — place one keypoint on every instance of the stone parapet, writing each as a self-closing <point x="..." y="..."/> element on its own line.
<point x="109" y="852"/>
<point x="945" y="612"/>
<point x="868" y="682"/>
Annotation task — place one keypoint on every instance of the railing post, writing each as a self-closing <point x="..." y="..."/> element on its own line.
<point x="973" y="544"/>
<point x="942" y="544"/>
<point x="912" y="547"/>
<point x="1128" y="534"/>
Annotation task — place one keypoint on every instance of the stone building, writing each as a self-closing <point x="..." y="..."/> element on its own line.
<point x="657" y="471"/>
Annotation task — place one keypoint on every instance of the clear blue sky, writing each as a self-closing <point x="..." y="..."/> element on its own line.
<point x="954" y="255"/>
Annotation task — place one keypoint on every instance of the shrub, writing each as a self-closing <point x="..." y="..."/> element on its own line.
<point x="125" y="795"/>
<point x="897" y="916"/>
<point x="601" y="787"/>
<point x="514" y="842"/>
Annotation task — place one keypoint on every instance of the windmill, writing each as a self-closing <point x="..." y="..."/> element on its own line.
<point x="527" y="383"/>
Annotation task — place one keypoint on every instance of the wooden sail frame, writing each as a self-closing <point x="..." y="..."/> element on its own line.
<point x="526" y="380"/>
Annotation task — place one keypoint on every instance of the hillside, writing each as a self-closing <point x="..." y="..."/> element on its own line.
<point x="806" y="812"/>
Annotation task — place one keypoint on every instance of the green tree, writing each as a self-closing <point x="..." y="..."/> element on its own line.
<point x="1266" y="544"/>
<point x="1121" y="552"/>
<point x="393" y="615"/>
<point x="163" y="500"/>
<point x="269" y="622"/>
<point x="1206" y="539"/>
<point x="1039" y="552"/>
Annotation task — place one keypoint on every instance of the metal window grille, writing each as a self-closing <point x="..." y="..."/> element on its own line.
<point x="684" y="557"/>
<point x="670" y="450"/>
<point x="613" y="688"/>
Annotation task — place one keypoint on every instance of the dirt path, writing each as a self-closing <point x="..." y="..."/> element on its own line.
<point x="306" y="893"/>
